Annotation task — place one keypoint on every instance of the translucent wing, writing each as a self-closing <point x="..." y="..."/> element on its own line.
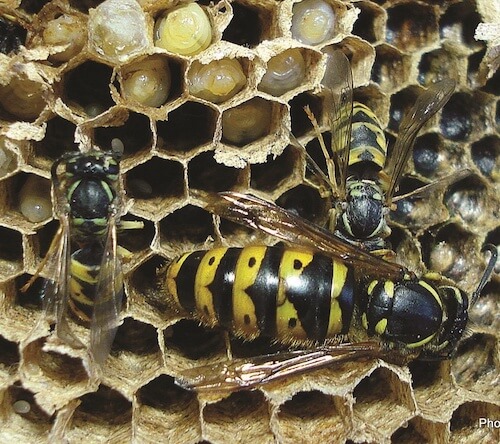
<point x="427" y="104"/>
<point x="108" y="298"/>
<point x="339" y="85"/>
<point x="270" y="218"/>
<point x="239" y="374"/>
<point x="56" y="267"/>
<point x="439" y="184"/>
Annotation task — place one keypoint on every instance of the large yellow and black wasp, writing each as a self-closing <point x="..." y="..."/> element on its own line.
<point x="322" y="291"/>
<point x="82" y="267"/>
<point x="361" y="177"/>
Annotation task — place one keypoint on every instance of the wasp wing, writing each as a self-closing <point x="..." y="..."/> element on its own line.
<point x="438" y="184"/>
<point x="108" y="298"/>
<point x="339" y="85"/>
<point x="245" y="374"/>
<point x="259" y="214"/>
<point x="426" y="105"/>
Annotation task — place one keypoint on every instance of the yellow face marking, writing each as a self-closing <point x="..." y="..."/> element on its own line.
<point x="389" y="288"/>
<point x="370" y="288"/>
<point x="204" y="277"/>
<point x="247" y="268"/>
<point x="364" y="321"/>
<point x="432" y="291"/>
<point x="422" y="342"/>
<point x="381" y="326"/>
<point x="172" y="273"/>
<point x="338" y="281"/>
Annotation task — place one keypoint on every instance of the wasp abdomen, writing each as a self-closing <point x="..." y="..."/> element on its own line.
<point x="287" y="294"/>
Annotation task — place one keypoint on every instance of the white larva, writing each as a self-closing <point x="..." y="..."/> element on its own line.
<point x="313" y="22"/>
<point x="285" y="72"/>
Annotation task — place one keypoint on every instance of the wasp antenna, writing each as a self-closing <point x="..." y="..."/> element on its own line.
<point x="487" y="272"/>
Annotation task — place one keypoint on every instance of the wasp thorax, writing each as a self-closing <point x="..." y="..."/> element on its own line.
<point x="216" y="82"/>
<point x="284" y="72"/>
<point x="147" y="82"/>
<point x="34" y="199"/>
<point x="183" y="30"/>
<point x="22" y="98"/>
<point x="247" y="122"/>
<point x="67" y="31"/>
<point x="117" y="30"/>
<point x="313" y="22"/>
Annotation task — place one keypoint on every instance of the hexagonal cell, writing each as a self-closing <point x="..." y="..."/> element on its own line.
<point x="462" y="114"/>
<point x="136" y="241"/>
<point x="474" y="365"/>
<point x="188" y="127"/>
<point x="312" y="413"/>
<point x="491" y="85"/>
<point x="135" y="134"/>
<point x="459" y="24"/>
<point x="23" y="419"/>
<point x="418" y="430"/>
<point x="59" y="139"/>
<point x="306" y="202"/>
<point x="370" y="23"/>
<point x="8" y="159"/>
<point x="361" y="56"/>
<point x="250" y="24"/>
<point x="11" y="252"/>
<point x="204" y="173"/>
<point x="144" y="288"/>
<point x="486" y="155"/>
<point x="383" y="403"/>
<point x="391" y="68"/>
<point x="103" y="414"/>
<point x="269" y="176"/>
<point x="21" y="99"/>
<point x="469" y="423"/>
<point x="86" y="88"/>
<point x="401" y="102"/>
<point x="32" y="298"/>
<point x="436" y="65"/>
<point x="248" y="121"/>
<point x="12" y="36"/>
<point x="189" y="224"/>
<point x="136" y="337"/>
<point x="162" y="402"/>
<point x="9" y="358"/>
<point x="230" y="418"/>
<point x="151" y="81"/>
<point x="192" y="340"/>
<point x="155" y="182"/>
<point x="411" y="26"/>
<point x="300" y="122"/>
<point x="484" y="312"/>
<point x="467" y="199"/>
<point x="426" y="153"/>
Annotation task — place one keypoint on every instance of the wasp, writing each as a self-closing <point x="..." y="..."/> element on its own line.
<point x="83" y="266"/>
<point x="320" y="291"/>
<point x="361" y="177"/>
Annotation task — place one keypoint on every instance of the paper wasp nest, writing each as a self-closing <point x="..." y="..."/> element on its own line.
<point x="73" y="73"/>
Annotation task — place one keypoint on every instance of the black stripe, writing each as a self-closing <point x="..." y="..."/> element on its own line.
<point x="185" y="280"/>
<point x="222" y="287"/>
<point x="264" y="291"/>
<point x="346" y="300"/>
<point x="310" y="296"/>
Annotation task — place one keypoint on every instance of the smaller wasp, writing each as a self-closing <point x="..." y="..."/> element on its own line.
<point x="83" y="265"/>
<point x="320" y="292"/>
<point x="360" y="176"/>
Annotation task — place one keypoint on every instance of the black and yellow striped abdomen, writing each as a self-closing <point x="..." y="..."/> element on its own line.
<point x="368" y="142"/>
<point x="287" y="294"/>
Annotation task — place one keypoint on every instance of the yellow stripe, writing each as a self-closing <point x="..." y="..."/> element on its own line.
<point x="432" y="291"/>
<point x="247" y="269"/>
<point x="172" y="273"/>
<point x="381" y="326"/>
<point x="285" y="309"/>
<point x="77" y="294"/>
<point x="81" y="271"/>
<point x="338" y="282"/>
<point x="204" y="277"/>
<point x="389" y="288"/>
<point x="422" y="342"/>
